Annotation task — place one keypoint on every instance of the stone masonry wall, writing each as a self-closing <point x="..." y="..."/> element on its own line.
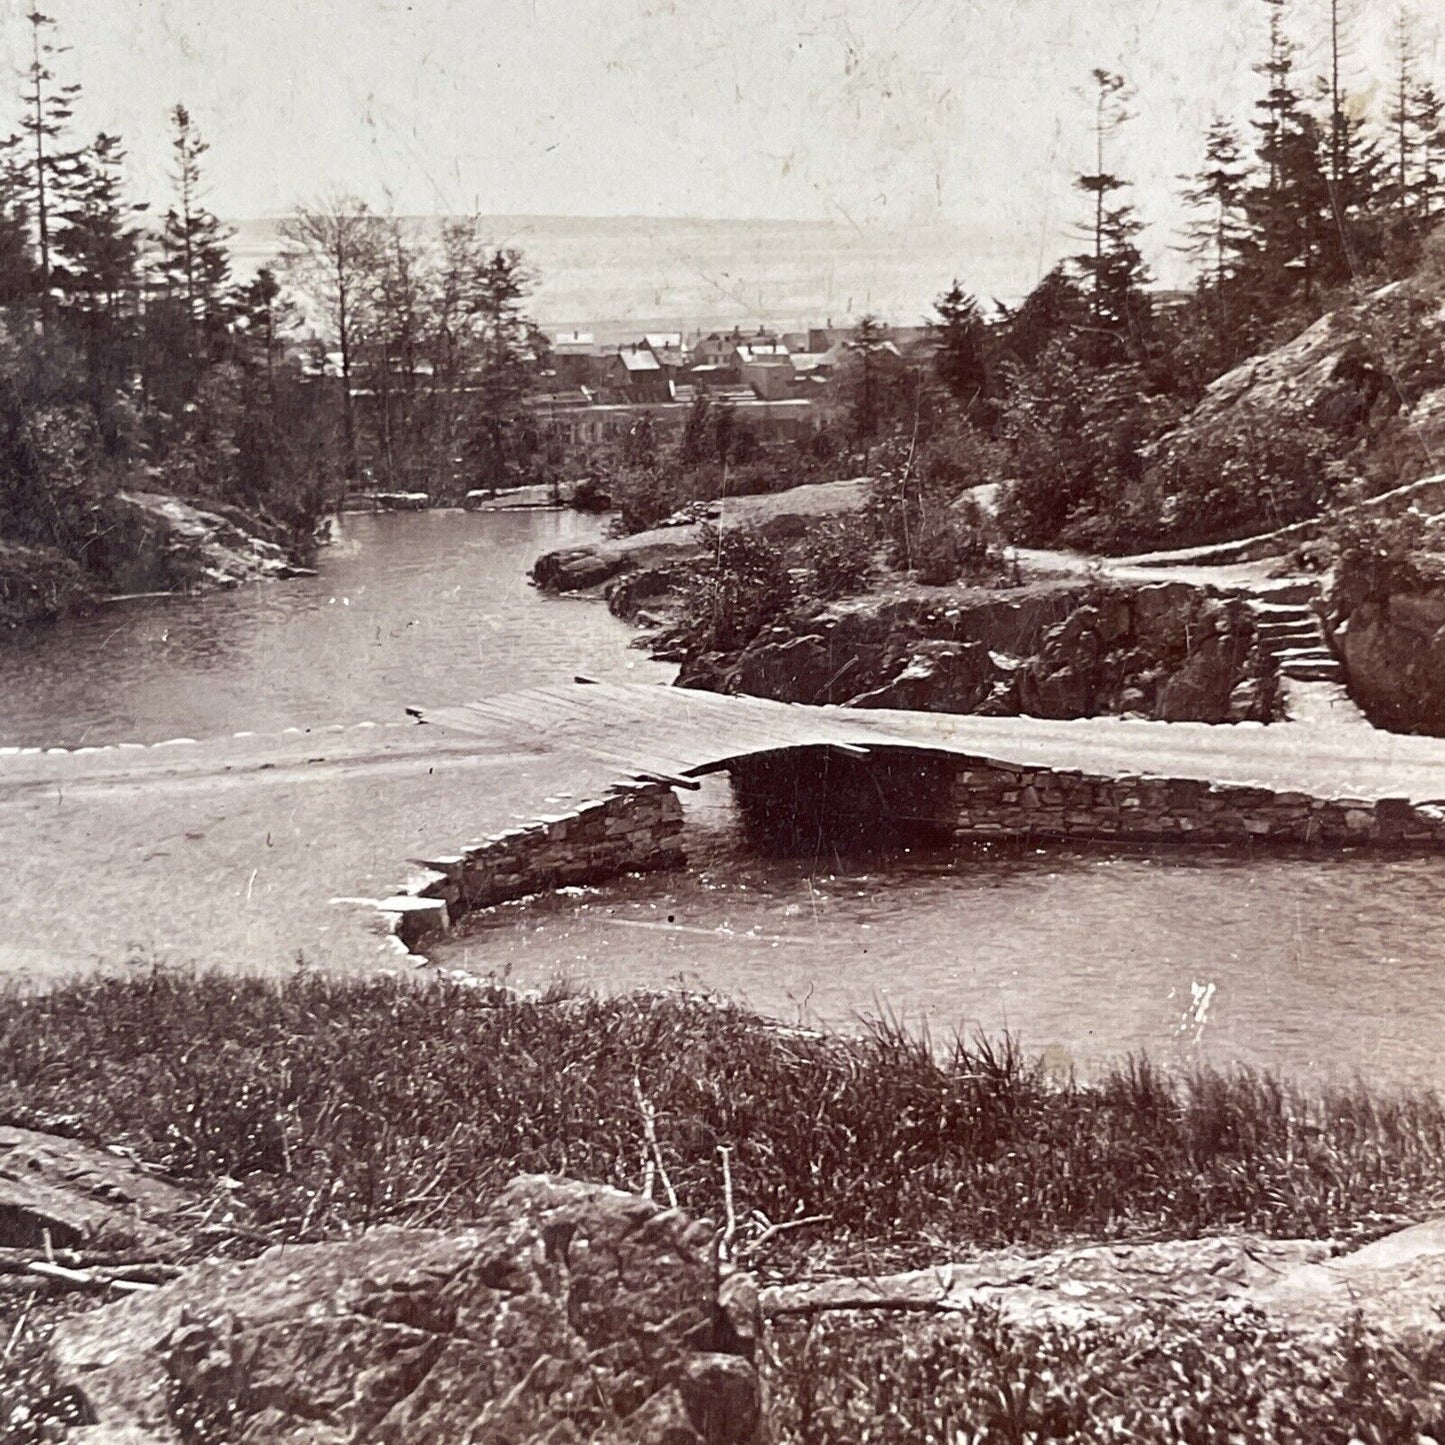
<point x="634" y="829"/>
<point x="991" y="801"/>
<point x="803" y="800"/>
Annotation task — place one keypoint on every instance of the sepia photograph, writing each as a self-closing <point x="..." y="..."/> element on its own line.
<point x="722" y="724"/>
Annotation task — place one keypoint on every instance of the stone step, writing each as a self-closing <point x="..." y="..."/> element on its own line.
<point x="1294" y="617"/>
<point x="1315" y="661"/>
<point x="1287" y="631"/>
<point x="1312" y="670"/>
<point x="1286" y="592"/>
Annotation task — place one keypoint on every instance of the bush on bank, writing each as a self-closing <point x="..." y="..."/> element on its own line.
<point x="339" y="1102"/>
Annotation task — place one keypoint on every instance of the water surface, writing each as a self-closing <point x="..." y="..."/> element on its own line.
<point x="408" y="608"/>
<point x="1325" y="966"/>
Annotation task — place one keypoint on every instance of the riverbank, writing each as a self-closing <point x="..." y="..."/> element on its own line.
<point x="293" y="1112"/>
<point x="147" y="544"/>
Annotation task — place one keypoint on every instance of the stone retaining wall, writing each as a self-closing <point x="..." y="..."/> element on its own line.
<point x="808" y="799"/>
<point x="634" y="829"/>
<point x="990" y="801"/>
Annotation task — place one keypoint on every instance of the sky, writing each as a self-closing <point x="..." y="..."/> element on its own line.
<point x="864" y="112"/>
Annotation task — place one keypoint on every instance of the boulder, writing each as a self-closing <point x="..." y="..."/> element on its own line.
<point x="81" y="1197"/>
<point x="570" y="569"/>
<point x="1200" y="690"/>
<point x="1065" y="692"/>
<point x="569" y="1312"/>
<point x="938" y="677"/>
<point x="1397" y="1283"/>
<point x="1394" y="659"/>
<point x="799" y="669"/>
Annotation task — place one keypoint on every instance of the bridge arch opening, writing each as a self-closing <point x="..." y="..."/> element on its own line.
<point x="814" y="801"/>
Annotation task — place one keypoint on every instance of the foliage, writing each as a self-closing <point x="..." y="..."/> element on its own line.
<point x="838" y="554"/>
<point x="1379" y="557"/>
<point x="740" y="587"/>
<point x="641" y="496"/>
<point x="1075" y="436"/>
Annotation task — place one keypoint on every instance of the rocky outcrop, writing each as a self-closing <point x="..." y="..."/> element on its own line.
<point x="1393" y="652"/>
<point x="776" y="515"/>
<point x="158" y="543"/>
<point x="1057" y="650"/>
<point x="1396" y="1284"/>
<point x="79" y="1197"/>
<point x="1371" y="370"/>
<point x="569" y="1312"/>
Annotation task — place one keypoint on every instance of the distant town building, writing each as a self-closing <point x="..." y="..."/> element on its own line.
<point x="636" y="375"/>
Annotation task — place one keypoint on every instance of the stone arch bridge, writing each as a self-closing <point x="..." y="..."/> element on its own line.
<point x="813" y="778"/>
<point x="237" y="851"/>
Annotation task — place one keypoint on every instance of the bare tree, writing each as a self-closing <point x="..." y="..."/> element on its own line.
<point x="333" y="250"/>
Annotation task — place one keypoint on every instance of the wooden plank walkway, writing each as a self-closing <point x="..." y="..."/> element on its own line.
<point x="648" y="730"/>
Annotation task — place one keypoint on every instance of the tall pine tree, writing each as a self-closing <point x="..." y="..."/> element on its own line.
<point x="1112" y="268"/>
<point x="195" y="261"/>
<point x="53" y="166"/>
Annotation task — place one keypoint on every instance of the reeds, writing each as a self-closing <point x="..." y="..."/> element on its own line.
<point x="335" y="1103"/>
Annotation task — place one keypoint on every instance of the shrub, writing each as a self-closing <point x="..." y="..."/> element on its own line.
<point x="741" y="586"/>
<point x="642" y="496"/>
<point x="1379" y="557"/>
<point x="838" y="554"/>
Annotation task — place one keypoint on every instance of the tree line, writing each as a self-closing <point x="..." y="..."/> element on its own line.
<point x="131" y="354"/>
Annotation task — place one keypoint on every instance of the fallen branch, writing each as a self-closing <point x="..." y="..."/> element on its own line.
<point x="124" y="1278"/>
<point x="725" y="1244"/>
<point x="649" y="1131"/>
<point x="783" y="1228"/>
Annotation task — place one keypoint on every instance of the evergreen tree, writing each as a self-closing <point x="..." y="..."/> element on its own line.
<point x="1427" y="127"/>
<point x="960" y="360"/>
<point x="1055" y="308"/>
<point x="18" y="270"/>
<point x="52" y="167"/>
<point x="1398" y="119"/>
<point x="264" y="316"/>
<point x="97" y="251"/>
<point x="692" y="445"/>
<point x="195" y="261"/>
<point x="504" y="350"/>
<point x="862" y="382"/>
<point x="1285" y="203"/>
<point x="1112" y="268"/>
<point x="1220" y="235"/>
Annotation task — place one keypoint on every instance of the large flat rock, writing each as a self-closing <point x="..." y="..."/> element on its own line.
<point x="82" y="1197"/>
<point x="568" y="1312"/>
<point x="573" y="569"/>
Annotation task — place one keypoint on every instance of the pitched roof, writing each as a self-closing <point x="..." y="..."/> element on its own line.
<point x="638" y="359"/>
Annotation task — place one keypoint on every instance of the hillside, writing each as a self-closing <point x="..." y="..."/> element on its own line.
<point x="1363" y="386"/>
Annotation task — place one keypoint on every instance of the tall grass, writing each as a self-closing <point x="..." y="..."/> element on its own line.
<point x="335" y="1103"/>
<point x="1234" y="1379"/>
